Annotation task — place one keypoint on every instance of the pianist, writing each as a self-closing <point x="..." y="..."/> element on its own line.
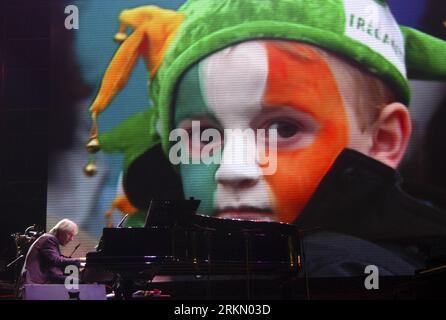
<point x="44" y="262"/>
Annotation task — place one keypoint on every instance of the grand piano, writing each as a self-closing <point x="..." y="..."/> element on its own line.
<point x="178" y="242"/>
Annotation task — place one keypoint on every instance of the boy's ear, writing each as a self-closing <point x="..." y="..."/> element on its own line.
<point x="391" y="134"/>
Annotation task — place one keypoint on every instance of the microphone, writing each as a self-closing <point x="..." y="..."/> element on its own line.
<point x="75" y="248"/>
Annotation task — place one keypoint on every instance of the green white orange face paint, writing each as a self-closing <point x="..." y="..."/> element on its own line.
<point x="285" y="90"/>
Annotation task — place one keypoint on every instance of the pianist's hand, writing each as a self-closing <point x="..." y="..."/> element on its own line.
<point x="82" y="260"/>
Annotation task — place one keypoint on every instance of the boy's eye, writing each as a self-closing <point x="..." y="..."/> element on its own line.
<point x="285" y="129"/>
<point x="211" y="139"/>
<point x="202" y="139"/>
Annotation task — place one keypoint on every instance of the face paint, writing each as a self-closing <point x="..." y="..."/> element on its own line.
<point x="301" y="79"/>
<point x="234" y="81"/>
<point x="230" y="85"/>
<point x="198" y="179"/>
<point x="257" y="86"/>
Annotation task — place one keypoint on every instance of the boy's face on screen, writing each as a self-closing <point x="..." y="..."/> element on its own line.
<point x="261" y="85"/>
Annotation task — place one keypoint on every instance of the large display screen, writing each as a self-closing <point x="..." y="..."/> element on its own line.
<point x="250" y="127"/>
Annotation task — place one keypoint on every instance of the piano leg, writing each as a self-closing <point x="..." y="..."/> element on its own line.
<point x="123" y="288"/>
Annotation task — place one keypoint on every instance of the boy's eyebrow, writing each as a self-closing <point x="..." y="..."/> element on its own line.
<point x="198" y="116"/>
<point x="273" y="108"/>
<point x="270" y="109"/>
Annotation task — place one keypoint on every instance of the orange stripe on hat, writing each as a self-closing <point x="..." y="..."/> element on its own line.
<point x="155" y="28"/>
<point x="122" y="203"/>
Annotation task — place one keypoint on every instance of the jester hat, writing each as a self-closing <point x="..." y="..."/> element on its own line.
<point x="170" y="42"/>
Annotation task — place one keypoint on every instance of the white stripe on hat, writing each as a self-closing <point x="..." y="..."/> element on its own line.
<point x="372" y="24"/>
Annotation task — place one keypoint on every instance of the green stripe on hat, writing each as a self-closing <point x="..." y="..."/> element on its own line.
<point x="425" y="55"/>
<point x="133" y="136"/>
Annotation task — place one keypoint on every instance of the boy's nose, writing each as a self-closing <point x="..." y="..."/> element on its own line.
<point x="234" y="180"/>
<point x="239" y="167"/>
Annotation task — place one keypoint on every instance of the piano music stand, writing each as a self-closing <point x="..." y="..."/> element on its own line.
<point x="170" y="212"/>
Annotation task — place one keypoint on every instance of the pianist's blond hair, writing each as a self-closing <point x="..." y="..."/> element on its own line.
<point x="64" y="225"/>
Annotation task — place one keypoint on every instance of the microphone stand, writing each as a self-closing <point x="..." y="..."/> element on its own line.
<point x="13" y="262"/>
<point x="75" y="248"/>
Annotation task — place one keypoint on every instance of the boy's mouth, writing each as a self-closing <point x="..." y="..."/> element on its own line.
<point x="246" y="213"/>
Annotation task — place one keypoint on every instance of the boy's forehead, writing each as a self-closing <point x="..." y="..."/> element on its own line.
<point x="235" y="77"/>
<point x="227" y="83"/>
<point x="239" y="80"/>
